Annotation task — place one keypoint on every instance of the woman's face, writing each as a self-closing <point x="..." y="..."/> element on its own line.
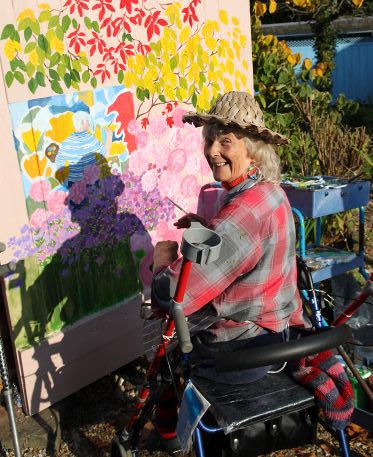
<point x="227" y="156"/>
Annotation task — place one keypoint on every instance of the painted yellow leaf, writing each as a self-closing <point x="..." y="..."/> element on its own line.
<point x="227" y="85"/>
<point x="245" y="64"/>
<point x="117" y="148"/>
<point x="34" y="58"/>
<point x="57" y="45"/>
<point x="169" y="92"/>
<point x="184" y="34"/>
<point x="223" y="16"/>
<point x="62" y="127"/>
<point x="235" y="21"/>
<point x="31" y="139"/>
<point x="230" y="66"/>
<point x="34" y="166"/>
<point x="260" y="9"/>
<point x="243" y="40"/>
<point x="26" y="13"/>
<point x="211" y="42"/>
<point x="272" y="6"/>
<point x="48" y="172"/>
<point x="10" y="49"/>
<point x="358" y="3"/>
<point x="307" y="64"/>
<point x="128" y="79"/>
<point x="44" y="6"/>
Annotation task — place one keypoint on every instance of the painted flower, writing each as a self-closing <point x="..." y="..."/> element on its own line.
<point x="78" y="192"/>
<point x="133" y="127"/>
<point x="189" y="186"/>
<point x="91" y="174"/>
<point x="149" y="180"/>
<point x="39" y="190"/>
<point x="178" y="117"/>
<point x="176" y="160"/>
<point x="141" y="138"/>
<point x="158" y="127"/>
<point x="56" y="201"/>
<point x="38" y="218"/>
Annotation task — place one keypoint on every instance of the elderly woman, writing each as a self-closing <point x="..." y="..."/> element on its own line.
<point x="251" y="290"/>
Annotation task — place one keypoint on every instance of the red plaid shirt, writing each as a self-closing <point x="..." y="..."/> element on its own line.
<point x="253" y="284"/>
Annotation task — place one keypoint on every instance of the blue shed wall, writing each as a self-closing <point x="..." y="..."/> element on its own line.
<point x="353" y="74"/>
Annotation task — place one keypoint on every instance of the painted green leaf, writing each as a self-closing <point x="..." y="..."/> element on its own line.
<point x="162" y="98"/>
<point x="61" y="69"/>
<point x="66" y="21"/>
<point x="88" y="22"/>
<point x="75" y="23"/>
<point x="27" y="33"/>
<point x="29" y="47"/>
<point x="19" y="77"/>
<point x="24" y="23"/>
<point x="75" y="76"/>
<point x="194" y="100"/>
<point x="94" y="83"/>
<point x="33" y="85"/>
<point x="30" y="69"/>
<point x="76" y="65"/>
<point x="183" y="83"/>
<point x="84" y="60"/>
<point x="140" y="94"/>
<point x="60" y="34"/>
<point x="85" y="76"/>
<point x="43" y="43"/>
<point x="95" y="26"/>
<point x="75" y="85"/>
<point x="66" y="60"/>
<point x="173" y="63"/>
<point x="178" y="94"/>
<point x="7" y="32"/>
<point x="16" y="37"/>
<point x="40" y="78"/>
<point x="120" y="76"/>
<point x="53" y="74"/>
<point x="147" y="93"/>
<point x="54" y="20"/>
<point x="55" y="85"/>
<point x="55" y="58"/>
<point x="41" y="55"/>
<point x="67" y="80"/>
<point x="35" y="27"/>
<point x="9" y="78"/>
<point x="45" y="15"/>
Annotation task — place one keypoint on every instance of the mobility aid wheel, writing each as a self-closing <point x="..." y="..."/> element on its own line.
<point x="117" y="449"/>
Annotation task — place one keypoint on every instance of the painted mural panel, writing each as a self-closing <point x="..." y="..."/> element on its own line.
<point x="96" y="91"/>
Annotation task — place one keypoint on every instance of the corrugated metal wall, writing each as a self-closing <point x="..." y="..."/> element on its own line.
<point x="353" y="74"/>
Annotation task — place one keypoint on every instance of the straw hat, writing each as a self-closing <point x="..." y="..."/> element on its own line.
<point x="238" y="109"/>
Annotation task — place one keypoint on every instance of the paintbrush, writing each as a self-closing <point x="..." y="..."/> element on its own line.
<point x="177" y="206"/>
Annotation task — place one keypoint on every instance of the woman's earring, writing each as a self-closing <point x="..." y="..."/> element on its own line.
<point x="254" y="173"/>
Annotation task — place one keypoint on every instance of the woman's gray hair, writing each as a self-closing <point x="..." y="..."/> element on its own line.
<point x="263" y="154"/>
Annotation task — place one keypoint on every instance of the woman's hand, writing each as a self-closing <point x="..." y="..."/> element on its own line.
<point x="185" y="221"/>
<point x="165" y="252"/>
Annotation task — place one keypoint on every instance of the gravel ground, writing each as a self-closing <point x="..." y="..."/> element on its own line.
<point x="90" y="418"/>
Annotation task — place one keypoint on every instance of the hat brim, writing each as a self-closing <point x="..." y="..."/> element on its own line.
<point x="263" y="133"/>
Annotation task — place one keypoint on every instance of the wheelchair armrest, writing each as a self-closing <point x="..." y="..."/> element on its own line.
<point x="283" y="352"/>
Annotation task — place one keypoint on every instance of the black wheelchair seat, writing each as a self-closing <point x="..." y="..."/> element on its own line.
<point x="270" y="414"/>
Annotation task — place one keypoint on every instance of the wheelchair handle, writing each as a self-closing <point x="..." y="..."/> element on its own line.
<point x="283" y="352"/>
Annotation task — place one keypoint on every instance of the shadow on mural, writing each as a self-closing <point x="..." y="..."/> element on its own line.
<point x="92" y="269"/>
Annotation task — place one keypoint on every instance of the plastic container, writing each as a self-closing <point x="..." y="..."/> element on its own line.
<point x="322" y="202"/>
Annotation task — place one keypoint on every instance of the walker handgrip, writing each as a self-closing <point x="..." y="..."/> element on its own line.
<point x="282" y="352"/>
<point x="181" y="328"/>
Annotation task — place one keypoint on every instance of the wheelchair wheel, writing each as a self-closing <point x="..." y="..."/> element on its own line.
<point x="117" y="449"/>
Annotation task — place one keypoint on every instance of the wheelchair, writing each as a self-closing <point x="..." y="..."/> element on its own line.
<point x="241" y="420"/>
